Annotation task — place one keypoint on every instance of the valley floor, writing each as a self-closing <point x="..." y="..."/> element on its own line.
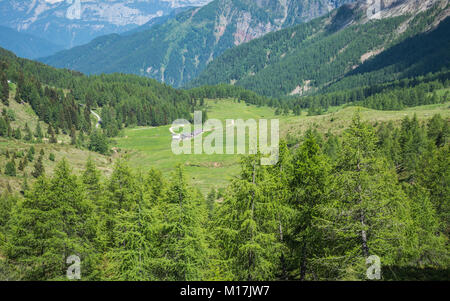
<point x="146" y="147"/>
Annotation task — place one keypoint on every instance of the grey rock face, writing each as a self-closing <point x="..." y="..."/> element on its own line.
<point x="74" y="22"/>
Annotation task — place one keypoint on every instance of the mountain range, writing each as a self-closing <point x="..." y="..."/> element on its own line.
<point x="69" y="23"/>
<point x="26" y="45"/>
<point x="177" y="50"/>
<point x="349" y="48"/>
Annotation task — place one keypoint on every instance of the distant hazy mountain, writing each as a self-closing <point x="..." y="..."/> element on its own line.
<point x="75" y="22"/>
<point x="158" y="20"/>
<point x="176" y="51"/>
<point x="25" y="45"/>
<point x="350" y="48"/>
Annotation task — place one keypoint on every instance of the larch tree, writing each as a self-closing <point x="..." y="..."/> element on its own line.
<point x="309" y="188"/>
<point x="368" y="213"/>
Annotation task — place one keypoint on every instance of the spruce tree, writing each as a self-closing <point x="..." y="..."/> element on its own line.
<point x="91" y="180"/>
<point x="4" y="88"/>
<point x="17" y="134"/>
<point x="38" y="132"/>
<point x="10" y="168"/>
<point x="38" y="168"/>
<point x="28" y="135"/>
<point x="51" y="132"/>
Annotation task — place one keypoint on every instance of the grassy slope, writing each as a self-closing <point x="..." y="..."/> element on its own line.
<point x="76" y="157"/>
<point x="151" y="147"/>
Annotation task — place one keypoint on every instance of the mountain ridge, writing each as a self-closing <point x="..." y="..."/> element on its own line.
<point x="317" y="55"/>
<point x="176" y="51"/>
<point x="75" y="22"/>
<point x="26" y="45"/>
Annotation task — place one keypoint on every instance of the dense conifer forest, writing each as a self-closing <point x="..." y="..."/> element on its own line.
<point x="335" y="52"/>
<point x="341" y="191"/>
<point x="316" y="215"/>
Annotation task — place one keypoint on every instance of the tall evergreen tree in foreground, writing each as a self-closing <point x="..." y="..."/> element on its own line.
<point x="49" y="225"/>
<point x="368" y="213"/>
<point x="181" y="250"/>
<point x="248" y="226"/>
<point x="309" y="186"/>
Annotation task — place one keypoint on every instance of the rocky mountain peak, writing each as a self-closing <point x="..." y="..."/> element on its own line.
<point x="74" y="22"/>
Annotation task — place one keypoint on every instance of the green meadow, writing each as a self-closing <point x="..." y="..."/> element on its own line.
<point x="147" y="147"/>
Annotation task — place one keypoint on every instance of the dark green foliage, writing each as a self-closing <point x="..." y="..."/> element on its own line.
<point x="4" y="85"/>
<point x="98" y="142"/>
<point x="316" y="214"/>
<point x="17" y="134"/>
<point x="28" y="135"/>
<point x="324" y="55"/>
<point x="51" y="132"/>
<point x="127" y="100"/>
<point x="38" y="168"/>
<point x="58" y="207"/>
<point x="176" y="51"/>
<point x="10" y="168"/>
<point x="38" y="132"/>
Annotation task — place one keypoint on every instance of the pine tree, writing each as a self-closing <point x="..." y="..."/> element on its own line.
<point x="28" y="135"/>
<point x="437" y="130"/>
<point x="17" y="134"/>
<point x="38" y="132"/>
<point x="4" y="88"/>
<point x="433" y="174"/>
<point x="368" y="214"/>
<point x="182" y="250"/>
<point x="61" y="227"/>
<point x="91" y="180"/>
<point x="430" y="249"/>
<point x="10" y="168"/>
<point x="309" y="186"/>
<point x="73" y="136"/>
<point x="121" y="195"/>
<point x="51" y="132"/>
<point x="22" y="164"/>
<point x="413" y="143"/>
<point x="30" y="155"/>
<point x="132" y="251"/>
<point x="3" y="127"/>
<point x="38" y="168"/>
<point x="248" y="230"/>
<point x="98" y="142"/>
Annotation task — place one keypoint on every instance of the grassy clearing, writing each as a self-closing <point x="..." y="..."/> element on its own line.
<point x="147" y="147"/>
<point x="336" y="122"/>
<point x="151" y="147"/>
<point x="76" y="157"/>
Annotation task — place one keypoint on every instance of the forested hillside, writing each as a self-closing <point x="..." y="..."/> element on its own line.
<point x="342" y="51"/>
<point x="316" y="215"/>
<point x="64" y="98"/>
<point x="362" y="102"/>
<point x="176" y="51"/>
